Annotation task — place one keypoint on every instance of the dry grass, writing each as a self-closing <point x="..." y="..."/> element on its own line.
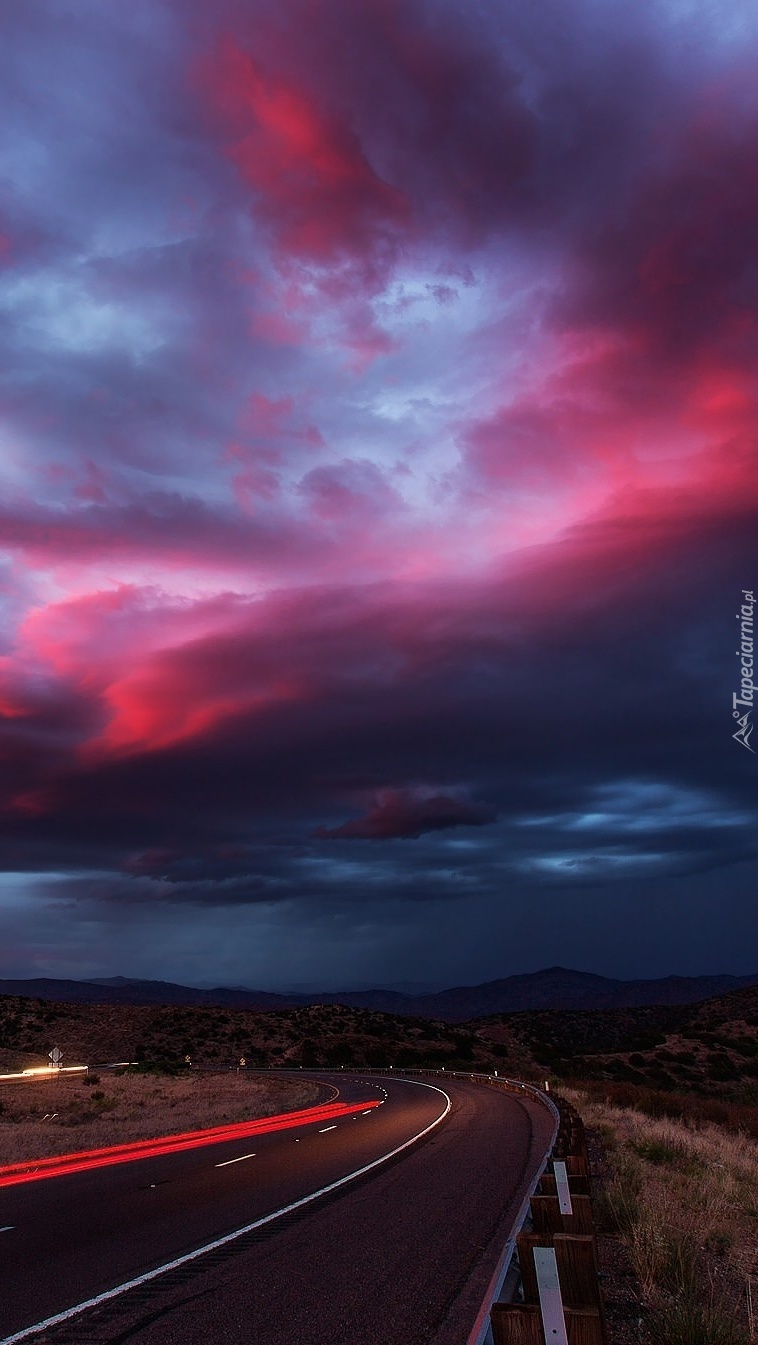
<point x="686" y="1201"/>
<point x="43" y="1118"/>
<point x="694" y="1109"/>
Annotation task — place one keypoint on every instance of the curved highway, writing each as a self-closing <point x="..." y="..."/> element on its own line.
<point x="400" y="1254"/>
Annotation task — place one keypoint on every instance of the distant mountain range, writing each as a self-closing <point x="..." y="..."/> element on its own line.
<point x="554" y="988"/>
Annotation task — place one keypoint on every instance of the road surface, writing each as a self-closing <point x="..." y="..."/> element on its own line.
<point x="400" y="1256"/>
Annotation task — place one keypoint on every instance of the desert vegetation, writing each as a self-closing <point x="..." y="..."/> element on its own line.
<point x="681" y="1192"/>
<point x="41" y="1118"/>
<point x="316" y="1036"/>
<point x="710" y="1049"/>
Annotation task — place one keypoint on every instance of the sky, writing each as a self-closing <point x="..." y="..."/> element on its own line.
<point x="378" y="489"/>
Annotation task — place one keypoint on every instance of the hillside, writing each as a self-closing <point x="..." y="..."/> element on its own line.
<point x="319" y="1035"/>
<point x="710" y="1047"/>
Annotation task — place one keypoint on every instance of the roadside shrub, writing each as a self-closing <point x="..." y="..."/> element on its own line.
<point x="658" y="1151"/>
<point x="687" y="1322"/>
<point x="744" y="1045"/>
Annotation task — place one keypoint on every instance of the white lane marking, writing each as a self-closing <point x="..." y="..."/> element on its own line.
<point x="238" y="1232"/>
<point x="323" y="1132"/>
<point x="366" y="1113"/>
<point x="7" y="1228"/>
<point x="241" y="1159"/>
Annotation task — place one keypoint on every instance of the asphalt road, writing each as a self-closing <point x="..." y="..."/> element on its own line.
<point x="401" y="1256"/>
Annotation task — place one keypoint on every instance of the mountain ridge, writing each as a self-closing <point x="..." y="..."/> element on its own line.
<point x="549" y="988"/>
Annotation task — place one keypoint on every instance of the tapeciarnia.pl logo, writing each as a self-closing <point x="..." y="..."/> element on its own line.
<point x="747" y="687"/>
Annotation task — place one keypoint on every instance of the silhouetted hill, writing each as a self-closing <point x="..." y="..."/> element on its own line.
<point x="125" y="990"/>
<point x="561" y="988"/>
<point x="554" y="988"/>
<point x="710" y="1048"/>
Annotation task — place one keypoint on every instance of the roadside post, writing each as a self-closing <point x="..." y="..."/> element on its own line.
<point x="56" y="1056"/>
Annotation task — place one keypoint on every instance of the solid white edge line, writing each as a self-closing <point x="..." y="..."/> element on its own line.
<point x="230" y="1237"/>
<point x="227" y="1161"/>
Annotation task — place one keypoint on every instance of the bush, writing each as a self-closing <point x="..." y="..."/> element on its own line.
<point x="687" y="1322"/>
<point x="744" y="1046"/>
<point x="658" y="1151"/>
<point x="720" y="1066"/>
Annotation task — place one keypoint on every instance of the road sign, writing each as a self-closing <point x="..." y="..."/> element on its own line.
<point x="243" y="1060"/>
<point x="56" y="1055"/>
<point x="188" y="1059"/>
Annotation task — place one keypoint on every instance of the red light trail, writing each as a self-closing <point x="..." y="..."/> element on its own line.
<point x="64" y="1164"/>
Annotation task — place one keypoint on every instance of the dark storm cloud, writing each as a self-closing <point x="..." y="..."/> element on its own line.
<point x="544" y="712"/>
<point x="403" y="813"/>
<point x="379" y="460"/>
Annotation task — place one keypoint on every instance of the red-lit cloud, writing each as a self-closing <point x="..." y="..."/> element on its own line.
<point x="378" y="408"/>
<point x="308" y="171"/>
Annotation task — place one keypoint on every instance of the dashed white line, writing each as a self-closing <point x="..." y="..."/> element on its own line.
<point x="241" y="1159"/>
<point x="7" y="1228"/>
<point x="323" y="1132"/>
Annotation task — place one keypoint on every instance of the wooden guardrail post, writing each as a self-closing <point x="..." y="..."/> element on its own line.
<point x="576" y="1256"/>
<point x="547" y="1216"/>
<point x="521" y="1324"/>
<point x="516" y="1324"/>
<point x="578" y="1185"/>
